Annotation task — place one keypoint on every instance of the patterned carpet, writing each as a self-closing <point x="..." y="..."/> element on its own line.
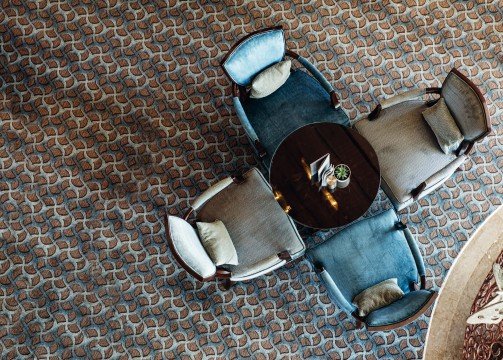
<point x="113" y="112"/>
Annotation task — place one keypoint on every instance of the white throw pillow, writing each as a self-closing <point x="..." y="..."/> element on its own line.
<point x="217" y="243"/>
<point x="270" y="79"/>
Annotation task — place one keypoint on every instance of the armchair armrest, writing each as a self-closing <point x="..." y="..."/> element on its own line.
<point x="416" y="254"/>
<point x="334" y="292"/>
<point x="222" y="273"/>
<point x="402" y="311"/>
<point x="401" y="97"/>
<point x="317" y="75"/>
<point x="238" y="177"/>
<point x="210" y="192"/>
<point x="465" y="147"/>
<point x="250" y="131"/>
<point x="261" y="267"/>
<point x="437" y="178"/>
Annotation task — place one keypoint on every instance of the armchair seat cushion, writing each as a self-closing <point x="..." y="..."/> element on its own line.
<point x="407" y="149"/>
<point x="404" y="308"/>
<point x="300" y="101"/>
<point x="256" y="223"/>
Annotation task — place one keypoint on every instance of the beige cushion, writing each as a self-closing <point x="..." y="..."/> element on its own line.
<point x="377" y="296"/>
<point x="444" y="126"/>
<point x="270" y="79"/>
<point x="217" y="243"/>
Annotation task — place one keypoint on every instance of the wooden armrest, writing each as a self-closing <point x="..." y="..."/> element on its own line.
<point x="222" y="273"/>
<point x="260" y="149"/>
<point x="433" y="90"/>
<point x="417" y="191"/>
<point x="285" y="255"/>
<point x="292" y="54"/>
<point x="465" y="147"/>
<point x="375" y="113"/>
<point x="334" y="100"/>
<point x="188" y="214"/>
<point x="238" y="177"/>
<point x="401" y="97"/>
<point x="399" y="225"/>
<point x="239" y="91"/>
<point x="318" y="268"/>
<point x="469" y="148"/>
<point x="419" y="286"/>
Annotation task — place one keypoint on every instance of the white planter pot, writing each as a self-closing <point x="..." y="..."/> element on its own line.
<point x="343" y="183"/>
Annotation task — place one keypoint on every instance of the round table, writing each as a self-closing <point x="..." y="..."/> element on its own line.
<point x="301" y="196"/>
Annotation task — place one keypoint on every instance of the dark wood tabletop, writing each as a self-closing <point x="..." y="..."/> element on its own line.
<point x="300" y="196"/>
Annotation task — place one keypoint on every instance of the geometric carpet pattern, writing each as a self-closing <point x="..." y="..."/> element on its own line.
<point x="115" y="112"/>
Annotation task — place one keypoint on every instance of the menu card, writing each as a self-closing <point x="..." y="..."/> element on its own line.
<point x="319" y="167"/>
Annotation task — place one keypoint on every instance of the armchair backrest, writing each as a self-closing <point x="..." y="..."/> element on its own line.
<point x="467" y="105"/>
<point x="188" y="250"/>
<point x="254" y="53"/>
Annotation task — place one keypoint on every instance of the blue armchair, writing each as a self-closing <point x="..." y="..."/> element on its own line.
<point x="302" y="100"/>
<point x="366" y="253"/>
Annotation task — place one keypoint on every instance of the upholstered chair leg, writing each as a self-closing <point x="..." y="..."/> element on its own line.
<point x="334" y="100"/>
<point x="228" y="283"/>
<point x="358" y="319"/>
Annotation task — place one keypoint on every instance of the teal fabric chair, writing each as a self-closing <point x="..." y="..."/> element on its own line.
<point x="303" y="99"/>
<point x="366" y="253"/>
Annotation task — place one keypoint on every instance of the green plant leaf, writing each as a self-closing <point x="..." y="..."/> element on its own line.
<point x="341" y="173"/>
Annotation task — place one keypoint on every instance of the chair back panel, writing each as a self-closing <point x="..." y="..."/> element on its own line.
<point x="253" y="54"/>
<point x="188" y="250"/>
<point x="466" y="104"/>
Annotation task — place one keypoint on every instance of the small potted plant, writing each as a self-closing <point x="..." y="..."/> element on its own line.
<point x="342" y="174"/>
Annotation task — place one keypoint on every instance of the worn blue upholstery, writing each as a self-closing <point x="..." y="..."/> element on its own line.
<point x="401" y="309"/>
<point x="255" y="54"/>
<point x="316" y="73"/>
<point x="300" y="101"/>
<point x="366" y="253"/>
<point x="335" y="292"/>
<point x="240" y="112"/>
<point x="415" y="252"/>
